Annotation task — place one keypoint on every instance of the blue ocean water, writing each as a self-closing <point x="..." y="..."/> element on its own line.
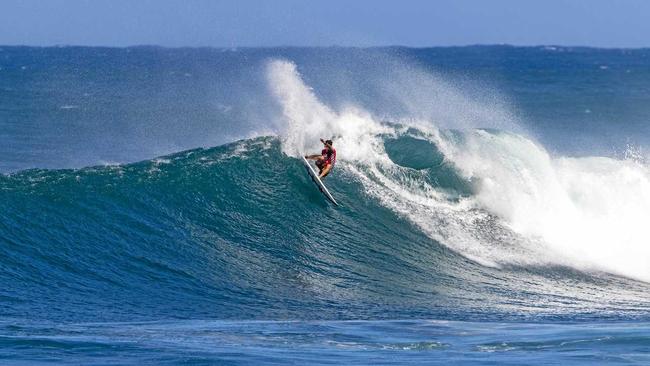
<point x="494" y="206"/>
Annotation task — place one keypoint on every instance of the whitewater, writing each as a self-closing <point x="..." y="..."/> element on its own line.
<point x="493" y="203"/>
<point x="588" y="212"/>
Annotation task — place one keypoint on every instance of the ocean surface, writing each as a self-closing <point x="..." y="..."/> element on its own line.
<point x="494" y="206"/>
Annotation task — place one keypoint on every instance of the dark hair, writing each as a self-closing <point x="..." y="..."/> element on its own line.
<point x="329" y="142"/>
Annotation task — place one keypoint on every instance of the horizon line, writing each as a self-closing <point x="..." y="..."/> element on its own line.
<point x="232" y="47"/>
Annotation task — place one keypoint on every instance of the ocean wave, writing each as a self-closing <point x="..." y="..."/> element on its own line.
<point x="456" y="223"/>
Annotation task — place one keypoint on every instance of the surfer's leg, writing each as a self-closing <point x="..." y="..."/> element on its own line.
<point x="325" y="171"/>
<point x="319" y="162"/>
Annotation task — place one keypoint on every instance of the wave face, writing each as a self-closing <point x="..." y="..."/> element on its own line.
<point x="448" y="211"/>
<point x="238" y="231"/>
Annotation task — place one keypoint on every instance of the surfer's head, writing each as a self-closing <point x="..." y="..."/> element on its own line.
<point x="328" y="142"/>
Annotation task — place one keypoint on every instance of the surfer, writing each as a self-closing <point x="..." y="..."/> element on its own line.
<point x="326" y="160"/>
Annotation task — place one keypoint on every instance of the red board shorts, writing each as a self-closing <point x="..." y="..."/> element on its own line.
<point x="322" y="163"/>
<point x="325" y="159"/>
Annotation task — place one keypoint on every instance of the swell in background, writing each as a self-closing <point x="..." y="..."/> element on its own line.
<point x="64" y="107"/>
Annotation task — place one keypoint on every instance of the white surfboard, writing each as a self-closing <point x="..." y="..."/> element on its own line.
<point x="318" y="182"/>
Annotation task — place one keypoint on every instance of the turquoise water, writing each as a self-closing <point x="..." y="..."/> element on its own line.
<point x="493" y="203"/>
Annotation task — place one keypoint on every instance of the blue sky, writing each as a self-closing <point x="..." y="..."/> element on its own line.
<point x="599" y="23"/>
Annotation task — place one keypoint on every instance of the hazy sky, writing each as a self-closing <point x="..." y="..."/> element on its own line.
<point x="603" y="23"/>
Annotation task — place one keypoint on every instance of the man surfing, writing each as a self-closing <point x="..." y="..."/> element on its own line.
<point x="326" y="160"/>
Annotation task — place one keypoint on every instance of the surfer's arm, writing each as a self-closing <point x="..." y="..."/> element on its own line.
<point x="313" y="157"/>
<point x="325" y="143"/>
